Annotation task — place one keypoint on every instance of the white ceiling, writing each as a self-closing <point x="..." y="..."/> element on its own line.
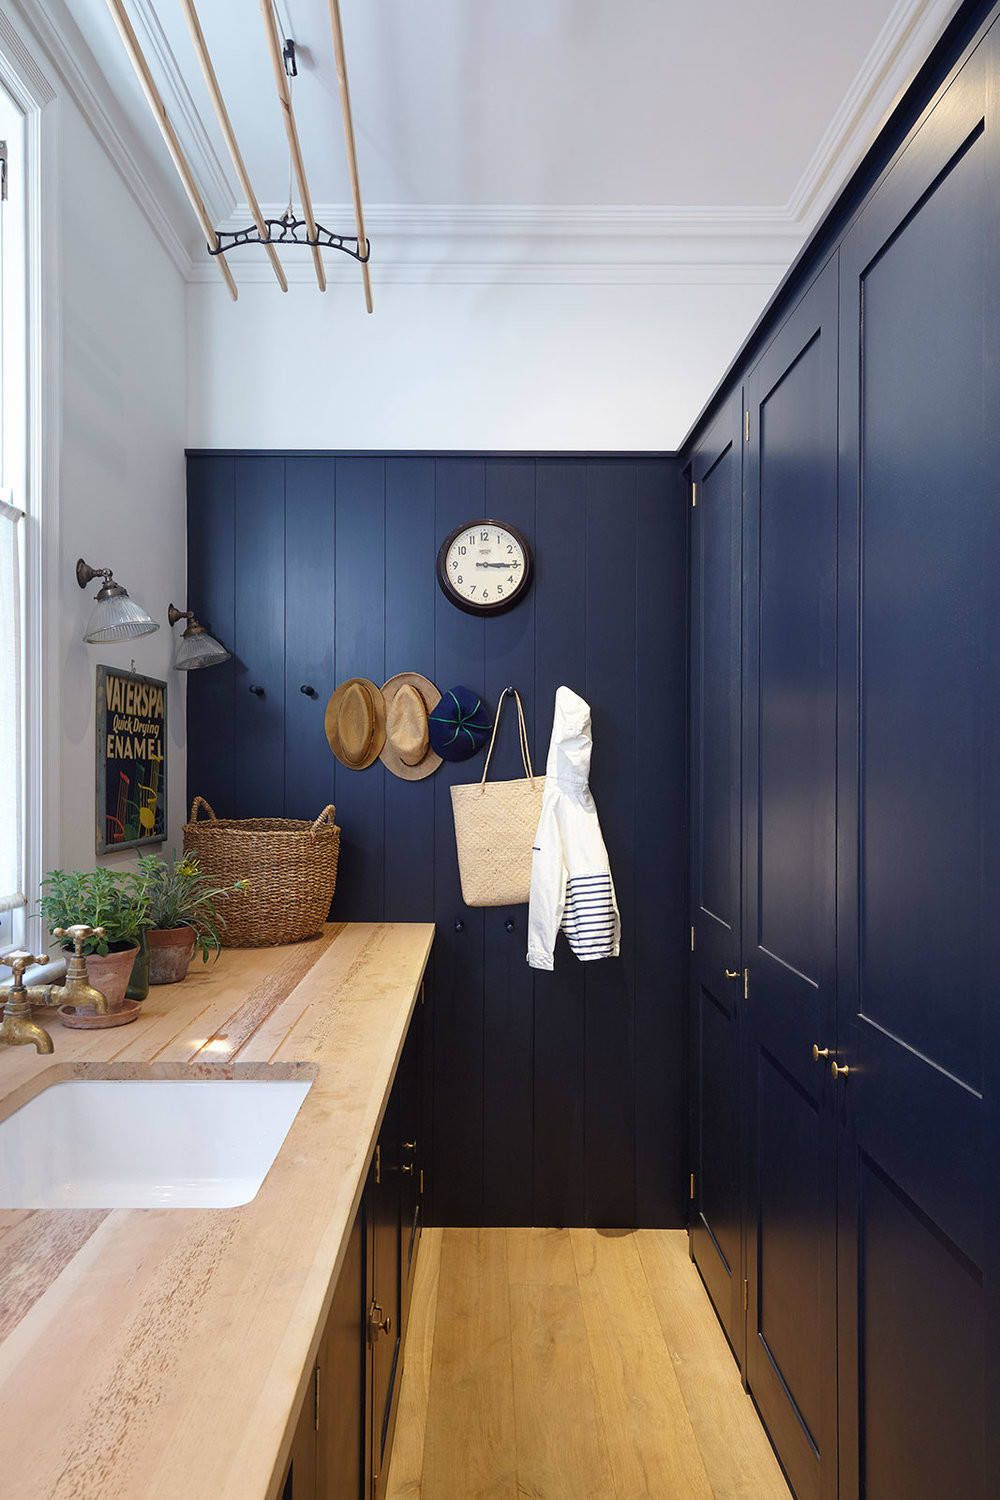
<point x="672" y="104"/>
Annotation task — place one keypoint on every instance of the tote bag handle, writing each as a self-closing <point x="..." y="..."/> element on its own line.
<point x="522" y="733"/>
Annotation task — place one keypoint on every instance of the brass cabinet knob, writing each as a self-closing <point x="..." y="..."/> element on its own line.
<point x="731" y="973"/>
<point x="378" y="1321"/>
<point x="819" y="1052"/>
<point x="838" y="1071"/>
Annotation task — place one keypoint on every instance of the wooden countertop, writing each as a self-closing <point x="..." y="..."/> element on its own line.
<point x="164" y="1352"/>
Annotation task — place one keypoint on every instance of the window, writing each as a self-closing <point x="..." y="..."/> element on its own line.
<point x="14" y="526"/>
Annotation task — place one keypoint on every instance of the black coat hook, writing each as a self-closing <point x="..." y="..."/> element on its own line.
<point x="308" y="689"/>
<point x="258" y="692"/>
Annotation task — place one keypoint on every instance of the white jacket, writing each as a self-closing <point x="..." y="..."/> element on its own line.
<point x="571" y="885"/>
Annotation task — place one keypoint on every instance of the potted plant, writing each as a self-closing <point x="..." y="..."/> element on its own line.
<point x="183" y="914"/>
<point x="113" y="899"/>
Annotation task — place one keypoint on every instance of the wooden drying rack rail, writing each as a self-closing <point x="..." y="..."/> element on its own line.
<point x="264" y="231"/>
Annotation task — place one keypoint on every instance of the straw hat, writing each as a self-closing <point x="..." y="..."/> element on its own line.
<point x="355" y="723"/>
<point x="409" y="698"/>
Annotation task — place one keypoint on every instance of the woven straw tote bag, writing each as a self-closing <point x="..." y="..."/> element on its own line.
<point x="495" y="824"/>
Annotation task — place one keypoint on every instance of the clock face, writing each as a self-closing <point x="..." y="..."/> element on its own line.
<point x="484" y="567"/>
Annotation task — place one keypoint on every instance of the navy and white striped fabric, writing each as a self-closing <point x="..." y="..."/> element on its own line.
<point x="590" y="920"/>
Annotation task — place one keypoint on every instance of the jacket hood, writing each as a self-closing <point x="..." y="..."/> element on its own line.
<point x="572" y="741"/>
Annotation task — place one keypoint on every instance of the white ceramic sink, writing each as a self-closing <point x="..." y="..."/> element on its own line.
<point x="147" y="1143"/>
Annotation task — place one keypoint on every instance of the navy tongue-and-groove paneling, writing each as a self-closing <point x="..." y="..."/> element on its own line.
<point x="556" y="1098"/>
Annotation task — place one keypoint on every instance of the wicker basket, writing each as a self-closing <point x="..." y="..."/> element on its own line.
<point x="291" y="866"/>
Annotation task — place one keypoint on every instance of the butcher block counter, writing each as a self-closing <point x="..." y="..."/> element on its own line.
<point x="166" y="1352"/>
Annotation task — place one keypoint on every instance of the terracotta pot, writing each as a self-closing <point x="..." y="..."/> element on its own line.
<point x="110" y="973"/>
<point x="171" y="950"/>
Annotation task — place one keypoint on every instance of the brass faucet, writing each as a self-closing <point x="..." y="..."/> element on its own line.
<point x="17" y="1025"/>
<point x="77" y="990"/>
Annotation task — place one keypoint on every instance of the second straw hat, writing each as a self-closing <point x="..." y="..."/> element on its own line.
<point x="409" y="698"/>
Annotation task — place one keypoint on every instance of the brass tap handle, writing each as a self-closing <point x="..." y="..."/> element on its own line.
<point x="18" y="961"/>
<point x="78" y="934"/>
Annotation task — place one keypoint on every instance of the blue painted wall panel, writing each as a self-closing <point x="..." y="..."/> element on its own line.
<point x="542" y="1110"/>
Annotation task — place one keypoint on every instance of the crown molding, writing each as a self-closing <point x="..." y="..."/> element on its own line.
<point x="905" y="40"/>
<point x="538" y="245"/>
<point x="59" y="39"/>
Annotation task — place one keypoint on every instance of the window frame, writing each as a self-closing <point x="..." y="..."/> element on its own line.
<point x="25" y="79"/>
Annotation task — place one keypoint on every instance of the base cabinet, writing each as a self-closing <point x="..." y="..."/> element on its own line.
<point x="343" y="1438"/>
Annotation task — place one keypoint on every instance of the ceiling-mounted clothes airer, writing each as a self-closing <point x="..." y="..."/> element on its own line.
<point x="289" y="229"/>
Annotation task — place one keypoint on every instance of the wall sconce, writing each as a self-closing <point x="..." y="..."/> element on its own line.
<point x="195" y="648"/>
<point x="114" y="617"/>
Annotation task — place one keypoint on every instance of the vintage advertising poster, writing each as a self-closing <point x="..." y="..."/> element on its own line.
<point x="131" y="760"/>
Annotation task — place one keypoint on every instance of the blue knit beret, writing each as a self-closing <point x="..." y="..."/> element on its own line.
<point x="460" y="725"/>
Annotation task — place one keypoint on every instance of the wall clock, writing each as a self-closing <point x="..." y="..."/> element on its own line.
<point x="484" y="567"/>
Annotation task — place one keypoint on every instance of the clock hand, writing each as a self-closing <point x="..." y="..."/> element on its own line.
<point x="492" y="565"/>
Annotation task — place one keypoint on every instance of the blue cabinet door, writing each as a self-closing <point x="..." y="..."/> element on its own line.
<point x="789" y="886"/>
<point x="919" y="809"/>
<point x="716" y="962"/>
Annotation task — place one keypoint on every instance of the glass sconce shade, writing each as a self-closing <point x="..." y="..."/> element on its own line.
<point x="195" y="648"/>
<point x="114" y="617"/>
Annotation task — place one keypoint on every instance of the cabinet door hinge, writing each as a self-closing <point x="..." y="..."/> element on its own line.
<point x="694" y="494"/>
<point x="692" y="939"/>
<point x="3" y="170"/>
<point x="746" y="426"/>
<point x="691" y="1188"/>
<point x="746" y="984"/>
<point x="746" y="1294"/>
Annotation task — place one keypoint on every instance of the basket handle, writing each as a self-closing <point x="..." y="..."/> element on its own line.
<point x="328" y="815"/>
<point x="201" y="802"/>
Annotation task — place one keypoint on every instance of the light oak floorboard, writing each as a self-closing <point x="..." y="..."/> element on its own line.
<point x="652" y="1444"/>
<point x="469" y="1449"/>
<point x="738" y="1457"/>
<point x="554" y="1364"/>
<point x="407" y="1463"/>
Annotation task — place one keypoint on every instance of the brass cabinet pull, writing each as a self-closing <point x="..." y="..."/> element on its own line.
<point x="378" y="1321"/>
<point x="819" y="1052"/>
<point x="409" y="1145"/>
<point x="407" y="1168"/>
<point x="731" y="973"/>
<point x="839" y="1072"/>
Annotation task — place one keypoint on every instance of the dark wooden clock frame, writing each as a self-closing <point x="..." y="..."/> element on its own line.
<point x="484" y="610"/>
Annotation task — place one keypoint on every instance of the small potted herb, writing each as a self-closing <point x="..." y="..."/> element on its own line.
<point x="183" y="914"/>
<point x="116" y="900"/>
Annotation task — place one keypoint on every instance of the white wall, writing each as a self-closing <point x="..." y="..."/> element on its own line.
<point x="121" y="485"/>
<point x="558" y="366"/>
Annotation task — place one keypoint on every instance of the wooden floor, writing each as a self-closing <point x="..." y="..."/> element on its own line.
<point x="571" y="1363"/>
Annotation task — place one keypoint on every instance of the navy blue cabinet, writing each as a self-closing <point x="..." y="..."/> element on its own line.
<point x="716" y="962"/>
<point x="789" y="885"/>
<point x="919" y="796"/>
<point x="858" y="1066"/>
